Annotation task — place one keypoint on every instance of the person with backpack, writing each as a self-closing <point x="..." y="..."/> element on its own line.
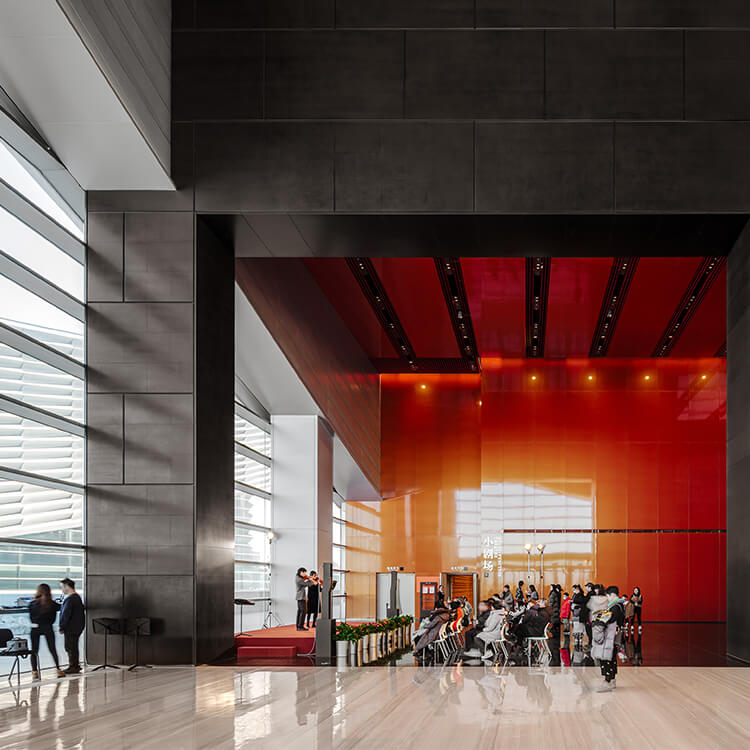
<point x="606" y="627"/>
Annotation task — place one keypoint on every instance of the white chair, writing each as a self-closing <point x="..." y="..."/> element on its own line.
<point x="542" y="644"/>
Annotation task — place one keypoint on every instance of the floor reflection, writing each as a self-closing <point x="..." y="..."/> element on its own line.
<point x="377" y="707"/>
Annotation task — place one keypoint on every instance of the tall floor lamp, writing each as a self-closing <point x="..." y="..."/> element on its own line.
<point x="541" y="547"/>
<point x="527" y="547"/>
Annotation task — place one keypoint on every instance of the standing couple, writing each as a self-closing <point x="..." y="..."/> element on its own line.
<point x="43" y="611"/>
<point x="308" y="590"/>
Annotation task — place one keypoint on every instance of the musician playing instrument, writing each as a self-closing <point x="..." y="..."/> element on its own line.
<point x="302" y="581"/>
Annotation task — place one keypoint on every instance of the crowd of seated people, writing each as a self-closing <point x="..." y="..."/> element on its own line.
<point x="451" y="631"/>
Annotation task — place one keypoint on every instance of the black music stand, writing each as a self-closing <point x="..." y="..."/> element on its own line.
<point x="136" y="626"/>
<point x="108" y="626"/>
<point x="243" y="603"/>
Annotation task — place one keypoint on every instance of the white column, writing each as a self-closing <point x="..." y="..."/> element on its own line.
<point x="302" y="499"/>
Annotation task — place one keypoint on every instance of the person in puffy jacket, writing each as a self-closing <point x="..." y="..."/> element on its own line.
<point x="565" y="612"/>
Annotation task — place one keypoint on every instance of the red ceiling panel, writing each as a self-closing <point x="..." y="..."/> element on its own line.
<point x="576" y="289"/>
<point x="706" y="331"/>
<point x="413" y="286"/>
<point x="344" y="293"/>
<point x="496" y="291"/>
<point x="656" y="290"/>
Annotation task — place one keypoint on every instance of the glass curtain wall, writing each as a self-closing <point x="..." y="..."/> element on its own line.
<point x="252" y="516"/>
<point x="339" y="556"/>
<point x="42" y="376"/>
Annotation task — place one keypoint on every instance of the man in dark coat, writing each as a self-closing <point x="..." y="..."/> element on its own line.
<point x="72" y="623"/>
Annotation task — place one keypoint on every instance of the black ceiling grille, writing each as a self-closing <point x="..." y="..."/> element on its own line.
<point x="452" y="280"/>
<point x="722" y="351"/>
<point x="424" y="365"/>
<point x="537" y="296"/>
<point x="618" y="285"/>
<point x="373" y="289"/>
<point x="699" y="285"/>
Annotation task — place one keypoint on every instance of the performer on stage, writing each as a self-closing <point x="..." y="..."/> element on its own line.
<point x="302" y="581"/>
<point x="313" y="600"/>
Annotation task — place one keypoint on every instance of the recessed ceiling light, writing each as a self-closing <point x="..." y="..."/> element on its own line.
<point x="703" y="377"/>
<point x="648" y="377"/>
<point x="423" y="386"/>
<point x="533" y="377"/>
<point x="591" y="377"/>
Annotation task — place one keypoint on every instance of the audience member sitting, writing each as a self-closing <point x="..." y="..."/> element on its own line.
<point x="430" y="627"/>
<point x="492" y="629"/>
<point x="484" y="608"/>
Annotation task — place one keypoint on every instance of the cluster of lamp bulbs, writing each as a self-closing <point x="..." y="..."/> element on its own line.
<point x="528" y="547"/>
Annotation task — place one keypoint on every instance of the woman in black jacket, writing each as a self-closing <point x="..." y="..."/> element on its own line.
<point x="313" y="600"/>
<point x="43" y="612"/>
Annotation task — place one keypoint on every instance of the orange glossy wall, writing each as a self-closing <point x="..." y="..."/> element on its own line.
<point x="619" y="474"/>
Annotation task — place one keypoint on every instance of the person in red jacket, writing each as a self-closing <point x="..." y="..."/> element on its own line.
<point x="565" y="612"/>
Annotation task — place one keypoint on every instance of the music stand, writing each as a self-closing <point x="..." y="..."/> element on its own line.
<point x="136" y="626"/>
<point x="243" y="603"/>
<point x="108" y="626"/>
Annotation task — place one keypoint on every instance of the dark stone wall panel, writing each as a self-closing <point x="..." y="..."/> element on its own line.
<point x="738" y="445"/>
<point x="144" y="347"/>
<point x="159" y="257"/>
<point x="423" y="14"/>
<point x="104" y="257"/>
<point x="104" y="428"/>
<point x="158" y="438"/>
<point x="693" y="166"/>
<point x="168" y="600"/>
<point x="545" y="13"/>
<point x="272" y="14"/>
<point x="685" y="13"/>
<point x="614" y="74"/>
<point x="716" y="75"/>
<point x="217" y="76"/>
<point x="474" y="74"/>
<point x="544" y="167"/>
<point x="404" y="167"/>
<point x="334" y="74"/>
<point x="264" y="167"/>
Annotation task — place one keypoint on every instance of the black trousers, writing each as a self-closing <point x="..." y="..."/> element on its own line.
<point x="71" y="647"/>
<point x="36" y="634"/>
<point x="301" y="611"/>
<point x="609" y="668"/>
<point x="637" y="615"/>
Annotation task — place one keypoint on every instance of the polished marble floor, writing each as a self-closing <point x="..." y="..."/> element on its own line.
<point x="371" y="707"/>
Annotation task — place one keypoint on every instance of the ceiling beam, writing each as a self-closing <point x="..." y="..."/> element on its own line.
<point x="452" y="281"/>
<point x="372" y="287"/>
<point x="537" y="298"/>
<point x="699" y="285"/>
<point x="620" y="277"/>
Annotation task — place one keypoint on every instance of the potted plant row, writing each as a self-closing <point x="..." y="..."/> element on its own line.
<point x="369" y="641"/>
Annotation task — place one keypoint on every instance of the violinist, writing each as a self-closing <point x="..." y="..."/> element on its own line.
<point x="313" y="600"/>
<point x="302" y="582"/>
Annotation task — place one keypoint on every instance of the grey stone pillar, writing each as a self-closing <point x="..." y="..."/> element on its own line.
<point x="159" y="406"/>
<point x="738" y="448"/>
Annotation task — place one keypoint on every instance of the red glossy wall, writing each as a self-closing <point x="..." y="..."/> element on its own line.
<point x="617" y="466"/>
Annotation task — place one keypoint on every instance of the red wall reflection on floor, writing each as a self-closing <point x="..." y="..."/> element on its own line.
<point x="616" y="465"/>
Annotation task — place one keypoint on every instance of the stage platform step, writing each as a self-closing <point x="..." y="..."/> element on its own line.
<point x="250" y="652"/>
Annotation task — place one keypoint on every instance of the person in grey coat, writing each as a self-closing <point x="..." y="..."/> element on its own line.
<point x="302" y="581"/>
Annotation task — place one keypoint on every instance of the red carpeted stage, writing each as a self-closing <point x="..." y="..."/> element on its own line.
<point x="282" y="642"/>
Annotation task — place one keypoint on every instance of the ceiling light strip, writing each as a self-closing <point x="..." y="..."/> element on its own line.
<point x="452" y="281"/>
<point x="618" y="285"/>
<point x="537" y="297"/>
<point x="701" y="282"/>
<point x="373" y="289"/>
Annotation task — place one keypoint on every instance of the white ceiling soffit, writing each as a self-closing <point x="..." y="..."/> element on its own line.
<point x="262" y="366"/>
<point x="48" y="72"/>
